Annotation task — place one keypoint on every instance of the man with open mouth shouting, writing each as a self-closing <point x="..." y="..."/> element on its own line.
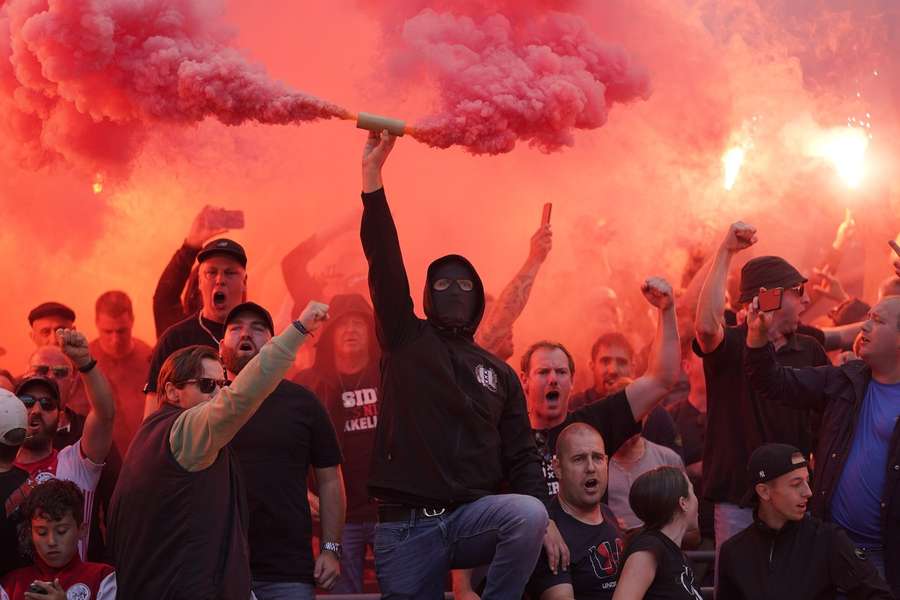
<point x="223" y="285"/>
<point x="587" y="525"/>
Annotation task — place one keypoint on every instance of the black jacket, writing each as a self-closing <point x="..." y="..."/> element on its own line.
<point x="453" y="424"/>
<point x="839" y="393"/>
<point x="804" y="560"/>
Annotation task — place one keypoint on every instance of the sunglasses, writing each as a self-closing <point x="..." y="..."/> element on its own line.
<point x="798" y="289"/>
<point x="444" y="284"/>
<point x="47" y="404"/>
<point x="204" y="384"/>
<point x="60" y="372"/>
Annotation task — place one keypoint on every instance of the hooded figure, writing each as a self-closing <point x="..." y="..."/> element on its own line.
<point x="453" y="425"/>
<point x="351" y="394"/>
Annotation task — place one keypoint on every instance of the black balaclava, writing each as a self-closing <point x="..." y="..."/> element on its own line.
<point x="454" y="309"/>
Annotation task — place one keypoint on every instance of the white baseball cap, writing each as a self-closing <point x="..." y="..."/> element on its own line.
<point x="13" y="419"/>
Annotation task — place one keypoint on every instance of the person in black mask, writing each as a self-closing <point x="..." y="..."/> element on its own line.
<point x="453" y="427"/>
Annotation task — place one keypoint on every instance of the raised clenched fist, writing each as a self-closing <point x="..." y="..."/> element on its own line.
<point x="314" y="315"/>
<point x="740" y="236"/>
<point x="658" y="292"/>
<point x="75" y="346"/>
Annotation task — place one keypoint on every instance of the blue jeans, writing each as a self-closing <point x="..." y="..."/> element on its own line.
<point x="414" y="557"/>
<point x="353" y="556"/>
<point x="729" y="519"/>
<point x="283" y="590"/>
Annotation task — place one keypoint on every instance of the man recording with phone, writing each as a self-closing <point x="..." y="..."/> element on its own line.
<point x="857" y="483"/>
<point x="738" y="419"/>
<point x="223" y="285"/>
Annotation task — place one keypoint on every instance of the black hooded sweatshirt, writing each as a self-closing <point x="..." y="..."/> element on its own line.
<point x="453" y="425"/>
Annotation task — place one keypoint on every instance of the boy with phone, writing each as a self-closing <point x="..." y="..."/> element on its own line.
<point x="53" y="515"/>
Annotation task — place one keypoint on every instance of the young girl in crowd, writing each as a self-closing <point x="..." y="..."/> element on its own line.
<point x="655" y="568"/>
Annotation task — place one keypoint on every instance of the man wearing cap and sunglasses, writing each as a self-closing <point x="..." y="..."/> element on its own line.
<point x="786" y="553"/>
<point x="738" y="419"/>
<point x="178" y="519"/>
<point x="82" y="462"/>
<point x="223" y="285"/>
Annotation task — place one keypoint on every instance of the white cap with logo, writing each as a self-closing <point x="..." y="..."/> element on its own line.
<point x="13" y="419"/>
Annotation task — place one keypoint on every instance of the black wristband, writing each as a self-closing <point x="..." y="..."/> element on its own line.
<point x="302" y="328"/>
<point x="88" y="367"/>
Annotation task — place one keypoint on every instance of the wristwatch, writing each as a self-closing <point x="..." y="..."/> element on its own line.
<point x="332" y="547"/>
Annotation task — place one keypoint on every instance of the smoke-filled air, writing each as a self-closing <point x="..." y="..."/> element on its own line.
<point x="649" y="124"/>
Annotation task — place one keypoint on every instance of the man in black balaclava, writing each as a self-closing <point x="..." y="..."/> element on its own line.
<point x="453" y="428"/>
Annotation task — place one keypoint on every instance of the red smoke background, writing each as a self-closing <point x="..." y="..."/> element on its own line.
<point x="634" y="188"/>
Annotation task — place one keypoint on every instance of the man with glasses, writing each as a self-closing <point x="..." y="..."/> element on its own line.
<point x="452" y="428"/>
<point x="49" y="361"/>
<point x="738" y="418"/>
<point x="82" y="462"/>
<point x="289" y="434"/>
<point x="178" y="521"/>
<point x="223" y="285"/>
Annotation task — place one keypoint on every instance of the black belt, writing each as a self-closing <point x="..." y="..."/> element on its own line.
<point x="388" y="513"/>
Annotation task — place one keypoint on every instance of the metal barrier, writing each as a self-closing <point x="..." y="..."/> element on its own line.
<point x="694" y="555"/>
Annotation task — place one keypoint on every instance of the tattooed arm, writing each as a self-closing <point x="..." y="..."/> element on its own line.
<point x="495" y="332"/>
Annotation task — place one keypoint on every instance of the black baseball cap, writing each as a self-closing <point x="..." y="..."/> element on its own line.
<point x="769" y="462"/>
<point x="768" y="272"/>
<point x="50" y="309"/>
<point x="251" y="307"/>
<point x="37" y="379"/>
<point x="225" y="247"/>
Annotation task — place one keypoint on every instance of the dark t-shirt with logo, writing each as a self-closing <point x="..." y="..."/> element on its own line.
<point x="352" y="402"/>
<point x="674" y="578"/>
<point x="611" y="416"/>
<point x="595" y="550"/>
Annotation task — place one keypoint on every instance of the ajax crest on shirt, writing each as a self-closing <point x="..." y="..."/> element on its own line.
<point x="487" y="377"/>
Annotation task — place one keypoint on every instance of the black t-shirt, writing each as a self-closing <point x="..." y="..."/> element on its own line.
<point x="739" y="421"/>
<point x="10" y="482"/>
<point x="595" y="552"/>
<point x="275" y="449"/>
<point x="674" y="578"/>
<point x="181" y="335"/>
<point x="353" y="402"/>
<point x="691" y="425"/>
<point x="611" y="416"/>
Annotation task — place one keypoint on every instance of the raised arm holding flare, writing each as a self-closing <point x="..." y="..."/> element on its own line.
<point x="453" y="425"/>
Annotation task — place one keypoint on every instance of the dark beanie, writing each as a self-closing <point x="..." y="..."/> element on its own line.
<point x="768" y="272"/>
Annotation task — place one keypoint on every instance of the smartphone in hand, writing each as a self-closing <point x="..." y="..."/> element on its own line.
<point x="770" y="300"/>
<point x="221" y="218"/>
<point x="545" y="218"/>
<point x="34" y="588"/>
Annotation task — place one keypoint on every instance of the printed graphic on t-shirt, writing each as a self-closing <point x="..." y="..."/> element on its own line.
<point x="687" y="582"/>
<point x="360" y="409"/>
<point x="550" y="475"/>
<point x="605" y="561"/>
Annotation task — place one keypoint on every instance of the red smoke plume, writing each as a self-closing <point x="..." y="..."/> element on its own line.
<point x="85" y="80"/>
<point x="532" y="76"/>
